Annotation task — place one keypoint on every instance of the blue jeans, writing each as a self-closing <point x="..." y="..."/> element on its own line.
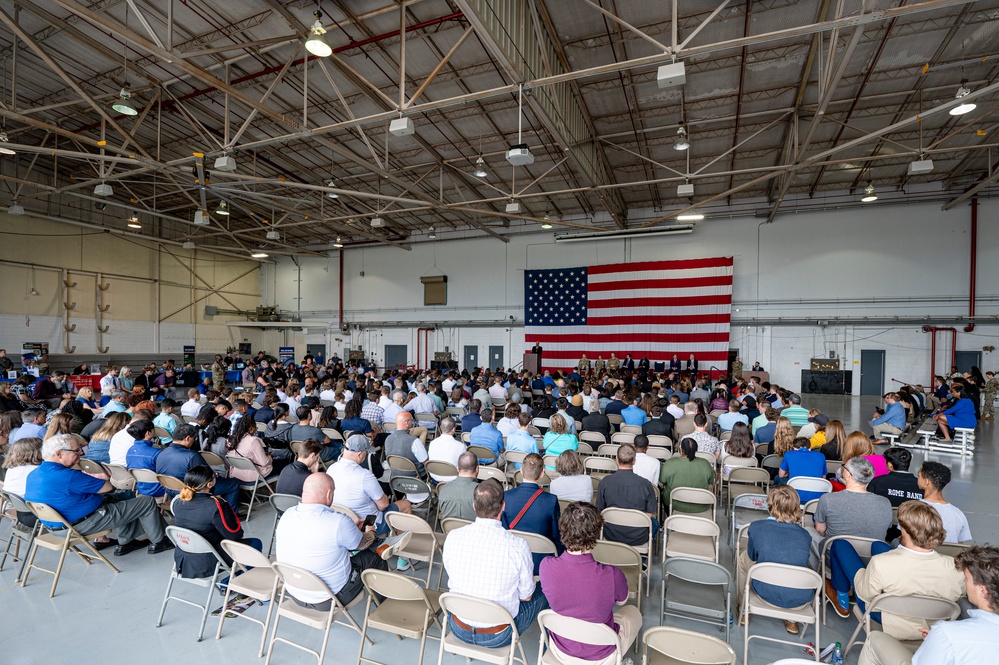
<point x="844" y="563"/>
<point x="528" y="612"/>
<point x="382" y="528"/>
<point x="98" y="451"/>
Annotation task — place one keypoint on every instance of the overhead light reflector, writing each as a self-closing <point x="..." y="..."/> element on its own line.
<point x="869" y="195"/>
<point x="259" y="255"/>
<point x="966" y="107"/>
<point x="188" y="245"/>
<point x="123" y="104"/>
<point x="133" y="221"/>
<point x="681" y="138"/>
<point x="338" y="244"/>
<point x="332" y="195"/>
<point x="223" y="209"/>
<point x="480" y="170"/>
<point x="103" y="189"/>
<point x="4" y="148"/>
<point x="15" y="209"/>
<point x="690" y="217"/>
<point x="316" y="42"/>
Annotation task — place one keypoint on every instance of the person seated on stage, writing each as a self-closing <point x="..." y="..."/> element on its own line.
<point x="779" y="539"/>
<point x="913" y="568"/>
<point x="932" y="479"/>
<point x="578" y="586"/>
<point x="960" y="414"/>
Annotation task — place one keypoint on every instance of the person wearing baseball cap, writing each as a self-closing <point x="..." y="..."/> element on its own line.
<point x="817" y="440"/>
<point x="357" y="487"/>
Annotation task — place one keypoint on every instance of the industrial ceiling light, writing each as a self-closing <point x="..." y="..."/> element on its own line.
<point x="519" y="154"/>
<point x="869" y="195"/>
<point x="123" y="104"/>
<point x="15" y="209"/>
<point x="223" y="209"/>
<point x="273" y="234"/>
<point x="480" y="170"/>
<point x="201" y="219"/>
<point x="258" y="254"/>
<point x="316" y="42"/>
<point x="966" y="107"/>
<point x="226" y="163"/>
<point x="188" y="244"/>
<point x="432" y="234"/>
<point x="4" y="148"/>
<point x="103" y="189"/>
<point x="547" y="224"/>
<point x="332" y="195"/>
<point x="338" y="243"/>
<point x="690" y="217"/>
<point x="681" y="138"/>
<point x="133" y="221"/>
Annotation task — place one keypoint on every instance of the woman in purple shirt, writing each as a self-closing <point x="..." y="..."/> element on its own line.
<point x="577" y="586"/>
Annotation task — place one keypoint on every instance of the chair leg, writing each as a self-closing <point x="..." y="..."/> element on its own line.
<point x="62" y="560"/>
<point x="364" y="630"/>
<point x="270" y="547"/>
<point x="225" y="603"/>
<point x="166" y="598"/>
<point x="206" y="609"/>
<point x="326" y="639"/>
<point x="270" y="645"/>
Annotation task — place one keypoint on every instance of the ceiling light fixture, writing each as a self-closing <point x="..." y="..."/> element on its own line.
<point x="316" y="42"/>
<point x="4" y="148"/>
<point x="258" y="255"/>
<point x="965" y="107"/>
<point x="547" y="223"/>
<point x="480" y="171"/>
<point x="869" y="195"/>
<point x="690" y="217"/>
<point x="103" y="189"/>
<point x="226" y="163"/>
<point x="432" y="234"/>
<point x="338" y="243"/>
<point x="273" y="234"/>
<point x="123" y="104"/>
<point x="681" y="138"/>
<point x="519" y="154"/>
<point x="201" y="218"/>
<point x="223" y="209"/>
<point x="332" y="195"/>
<point x="188" y="244"/>
<point x="15" y="209"/>
<point x="133" y="221"/>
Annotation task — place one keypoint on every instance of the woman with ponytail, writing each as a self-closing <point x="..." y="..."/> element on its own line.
<point x="196" y="509"/>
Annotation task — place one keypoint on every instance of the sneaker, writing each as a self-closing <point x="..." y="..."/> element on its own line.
<point x="791" y="627"/>
<point x="834" y="600"/>
<point x="402" y="565"/>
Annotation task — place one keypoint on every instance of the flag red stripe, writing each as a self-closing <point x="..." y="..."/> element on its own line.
<point x="683" y="264"/>
<point x="657" y="320"/>
<point x="662" y="301"/>
<point x="574" y="355"/>
<point x="631" y="338"/>
<point x="679" y="283"/>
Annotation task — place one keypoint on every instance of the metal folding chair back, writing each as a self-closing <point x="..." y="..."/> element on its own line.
<point x="482" y="452"/>
<point x="280" y="503"/>
<point x="792" y="577"/>
<point x="626" y="559"/>
<point x="486" y="472"/>
<point x="593" y="437"/>
<point x="257" y="580"/>
<point x="660" y="440"/>
<point x="121" y="477"/>
<point x="599" y="465"/>
<point x="622" y="437"/>
<point x="693" y="495"/>
<point x="677" y="646"/>
<point x="408" y="610"/>
<point x="19" y="533"/>
<point x="441" y="469"/>
<point x="691" y="537"/>
<point x="807" y="484"/>
<point x="928" y="608"/>
<point x="484" y="612"/>
<point x="192" y="543"/>
<point x="697" y="590"/>
<point x="631" y="429"/>
<point x="596" y="634"/>
<point x="89" y="466"/>
<point x="423" y="543"/>
<point x="260" y="484"/>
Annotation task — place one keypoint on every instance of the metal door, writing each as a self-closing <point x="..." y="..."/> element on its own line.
<point x="396" y="356"/>
<point x="315" y="349"/>
<point x="965" y="359"/>
<point x="471" y="353"/>
<point x="872" y="372"/>
<point x="495" y="356"/>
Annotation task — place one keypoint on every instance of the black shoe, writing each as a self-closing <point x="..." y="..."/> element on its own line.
<point x="161" y="546"/>
<point x="131" y="546"/>
<point x="104" y="545"/>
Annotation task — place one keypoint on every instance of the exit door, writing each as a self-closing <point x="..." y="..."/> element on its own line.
<point x="471" y="353"/>
<point x="396" y="356"/>
<point x="966" y="359"/>
<point x="495" y="356"/>
<point x="872" y="372"/>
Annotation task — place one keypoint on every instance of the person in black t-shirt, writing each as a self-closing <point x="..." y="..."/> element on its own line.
<point x="293" y="476"/>
<point x="898" y="486"/>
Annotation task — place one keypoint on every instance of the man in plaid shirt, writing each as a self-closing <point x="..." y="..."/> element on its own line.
<point x="371" y="411"/>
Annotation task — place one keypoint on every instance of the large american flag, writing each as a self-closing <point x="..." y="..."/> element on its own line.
<point x="654" y="309"/>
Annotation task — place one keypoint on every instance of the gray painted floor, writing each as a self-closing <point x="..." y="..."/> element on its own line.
<point x="99" y="617"/>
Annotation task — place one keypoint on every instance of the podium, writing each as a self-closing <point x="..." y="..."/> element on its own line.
<point x="531" y="363"/>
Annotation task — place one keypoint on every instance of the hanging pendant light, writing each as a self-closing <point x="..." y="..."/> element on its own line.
<point x="965" y="107"/>
<point x="316" y="41"/>
<point x="681" y="138"/>
<point x="869" y="195"/>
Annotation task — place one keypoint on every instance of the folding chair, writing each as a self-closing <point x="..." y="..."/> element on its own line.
<point x="89" y="466"/>
<point x="541" y="423"/>
<point x="631" y="429"/>
<point x="626" y="517"/>
<point x="928" y="608"/>
<point x="19" y="533"/>
<point x="251" y="575"/>
<point x="404" y="486"/>
<point x="792" y="577"/>
<point x="677" y="646"/>
<point x="697" y="590"/>
<point x="808" y="511"/>
<point x="483" y="453"/>
<point x="807" y="484"/>
<point x="584" y="448"/>
<point x="260" y="483"/>
<point x="599" y="466"/>
<point x="388" y="427"/>
<point x="694" y="495"/>
<point x="423" y="544"/>
<point x="486" y="613"/>
<point x="762" y="448"/>
<point x="280" y="503"/>
<point x="691" y="537"/>
<point x="659" y="452"/>
<point x="344" y="510"/>
<point x="746" y="509"/>
<point x="608" y="450"/>
<point x="539" y="544"/>
<point x="660" y="440"/>
<point x="952" y="549"/>
<point x="121" y="477"/>
<point x="772" y="463"/>
<point x="863" y="549"/>
<point x="213" y="460"/>
<point x="449" y="524"/>
<point x="596" y="634"/>
<point x="745" y="480"/>
<point x="442" y="470"/>
<point x="486" y="472"/>
<point x="593" y="437"/>
<point x="408" y="610"/>
<point x="626" y="559"/>
<point x="289" y="609"/>
<point x="615" y="419"/>
<point x="622" y="437"/>
<point x="518" y="478"/>
<point x="513" y="457"/>
<point x="466" y="437"/>
<point x="49" y="539"/>
<point x="833" y="466"/>
<point x="193" y="543"/>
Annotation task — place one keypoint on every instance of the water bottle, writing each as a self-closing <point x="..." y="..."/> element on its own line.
<point x="837" y="655"/>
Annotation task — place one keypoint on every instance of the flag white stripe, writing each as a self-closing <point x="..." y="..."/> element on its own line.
<point x="641" y="329"/>
<point x="603" y="278"/>
<point x="624" y="292"/>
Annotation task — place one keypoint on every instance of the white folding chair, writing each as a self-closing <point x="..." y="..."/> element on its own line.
<point x="596" y="634"/>
<point x="483" y="612"/>
<point x="251" y="575"/>
<point x="192" y="542"/>
<point x="792" y="577"/>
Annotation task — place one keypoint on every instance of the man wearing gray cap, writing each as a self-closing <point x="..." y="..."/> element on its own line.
<point x="357" y="488"/>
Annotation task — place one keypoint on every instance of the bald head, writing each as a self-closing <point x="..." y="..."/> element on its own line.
<point x="318" y="488"/>
<point x="404" y="420"/>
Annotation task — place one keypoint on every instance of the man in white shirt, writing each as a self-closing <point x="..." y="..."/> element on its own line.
<point x="317" y="538"/>
<point x="448" y="384"/>
<point x="192" y="406"/>
<point x="423" y="403"/>
<point x="646" y="466"/>
<point x="446" y="448"/>
<point x="109" y="382"/>
<point x="357" y="488"/>
<point x="497" y="391"/>
<point x="674" y="408"/>
<point x="484" y="560"/>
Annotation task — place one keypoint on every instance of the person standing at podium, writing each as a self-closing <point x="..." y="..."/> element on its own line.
<point x="537" y="350"/>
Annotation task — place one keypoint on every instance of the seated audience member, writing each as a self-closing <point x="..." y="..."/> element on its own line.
<point x="859" y="445"/>
<point x="80" y="499"/>
<point x="244" y="442"/>
<point x="595" y="421"/>
<point x="293" y="476"/>
<point x="198" y="510"/>
<point x="766" y="432"/>
<point x="143" y="454"/>
<point x="633" y="414"/>
<point x="192" y="406"/>
<point x="454" y="498"/>
<point x="738" y="450"/>
<point x="573" y="483"/>
<point x="960" y="414"/>
<point x="733" y="416"/>
<point x="32" y="427"/>
<point x="749" y="409"/>
<point x="576" y="409"/>
<point x="166" y="419"/>
<point x="836" y="442"/>
<point x="783" y="438"/>
<point x="472" y="419"/>
<point x="892" y="421"/>
<point x="446" y="448"/>
<point x="100" y="441"/>
<point x="521" y="440"/>
<point x="646" y="466"/>
<point x="22" y="458"/>
<point x="509" y="423"/>
<point x="624" y="489"/>
<point x="578" y="586"/>
<point x="660" y="423"/>
<point x="402" y="443"/>
<point x="854" y="511"/>
<point x="122" y="440"/>
<point x="182" y="455"/>
<point x="818" y="438"/>
<point x="353" y="422"/>
<point x="487" y="436"/>
<point x="558" y="438"/>
<point x="562" y="404"/>
<point x="357" y="487"/>
<point x="705" y="442"/>
<point x="898" y="485"/>
<point x="779" y="539"/>
<point x="484" y="545"/>
<point x="973" y="640"/>
<point x="801" y="461"/>
<point x="913" y="568"/>
<point x="317" y="538"/>
<point x="686" y="470"/>
<point x="530" y="508"/>
<point x="932" y="479"/>
<point x="304" y="430"/>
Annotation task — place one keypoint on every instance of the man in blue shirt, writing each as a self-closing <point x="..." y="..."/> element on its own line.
<point x="79" y="498"/>
<point x="116" y="405"/>
<point x="632" y="415"/>
<point x="893" y="420"/>
<point x="521" y="440"/>
<point x="486" y="435"/>
<point x="529" y="508"/>
<point x="800" y="461"/>
<point x="178" y="458"/>
<point x="142" y="455"/>
<point x="728" y="420"/>
<point x="472" y="419"/>
<point x="33" y="427"/>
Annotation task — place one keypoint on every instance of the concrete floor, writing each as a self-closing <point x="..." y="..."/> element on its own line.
<point x="99" y="617"/>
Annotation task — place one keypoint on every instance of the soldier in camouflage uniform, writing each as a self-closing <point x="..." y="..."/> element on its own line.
<point x="990" y="391"/>
<point x="599" y="365"/>
<point x="737" y="368"/>
<point x="614" y="364"/>
<point x="583" y="365"/>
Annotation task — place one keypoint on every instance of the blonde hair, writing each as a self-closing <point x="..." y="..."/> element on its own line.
<point x="784" y="503"/>
<point x="59" y="425"/>
<point x="857" y="445"/>
<point x="923" y="524"/>
<point x="24" y="452"/>
<point x="836" y="432"/>
<point x="557" y="424"/>
<point x="85" y="390"/>
<point x="114" y="423"/>
<point x="783" y="436"/>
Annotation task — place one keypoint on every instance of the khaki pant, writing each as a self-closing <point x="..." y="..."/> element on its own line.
<point x="629" y="621"/>
<point x="883" y="649"/>
<point x="884" y="428"/>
